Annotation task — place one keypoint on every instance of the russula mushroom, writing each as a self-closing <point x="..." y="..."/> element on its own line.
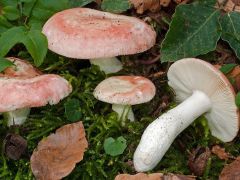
<point x="124" y="91"/>
<point x="203" y="90"/>
<point x="23" y="87"/>
<point x="83" y="33"/>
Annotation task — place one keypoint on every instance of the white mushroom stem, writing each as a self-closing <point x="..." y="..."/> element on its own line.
<point x="17" y="117"/>
<point x="108" y="65"/>
<point x="124" y="111"/>
<point x="160" y="134"/>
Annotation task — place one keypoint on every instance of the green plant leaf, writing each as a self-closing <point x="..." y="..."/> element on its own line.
<point x="34" y="41"/>
<point x="237" y="100"/>
<point x="10" y="38"/>
<point x="227" y="68"/>
<point x="44" y="9"/>
<point x="4" y="63"/>
<point x="28" y="7"/>
<point x="194" y="30"/>
<point x="207" y="2"/>
<point x="11" y="12"/>
<point x="73" y="110"/>
<point x="9" y="3"/>
<point x="116" y="6"/>
<point x="115" y="147"/>
<point x="231" y="30"/>
<point x="37" y="45"/>
<point x="79" y="3"/>
<point x="4" y="24"/>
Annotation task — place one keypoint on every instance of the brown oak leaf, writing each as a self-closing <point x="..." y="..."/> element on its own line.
<point x="55" y="156"/>
<point x="154" y="176"/>
<point x="220" y="152"/>
<point x="152" y="5"/>
<point x="229" y="5"/>
<point x="231" y="171"/>
<point x="198" y="160"/>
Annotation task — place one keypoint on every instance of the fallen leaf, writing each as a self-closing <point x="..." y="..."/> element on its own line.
<point x="229" y="5"/>
<point x="237" y="83"/>
<point x="14" y="146"/>
<point x="154" y="176"/>
<point x="220" y="152"/>
<point x="231" y="171"/>
<point x="55" y="156"/>
<point x="198" y="160"/>
<point x="152" y="5"/>
<point x="181" y="1"/>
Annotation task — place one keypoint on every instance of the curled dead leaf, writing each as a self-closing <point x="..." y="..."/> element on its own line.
<point x="229" y="5"/>
<point x="14" y="146"/>
<point x="198" y="160"/>
<point x="55" y="156"/>
<point x="231" y="171"/>
<point x="220" y="152"/>
<point x="181" y="1"/>
<point x="152" y="5"/>
<point x="154" y="176"/>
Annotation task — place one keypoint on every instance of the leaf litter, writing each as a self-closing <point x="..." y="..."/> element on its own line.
<point x="56" y="155"/>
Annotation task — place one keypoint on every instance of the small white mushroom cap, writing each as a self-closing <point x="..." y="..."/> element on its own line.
<point x="125" y="90"/>
<point x="188" y="75"/>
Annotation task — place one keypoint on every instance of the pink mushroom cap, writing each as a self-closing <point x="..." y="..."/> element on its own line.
<point x="23" y="86"/>
<point x="125" y="90"/>
<point x="87" y="33"/>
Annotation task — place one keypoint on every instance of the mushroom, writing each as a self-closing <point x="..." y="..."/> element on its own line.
<point x="23" y="87"/>
<point x="83" y="33"/>
<point x="124" y="91"/>
<point x="203" y="90"/>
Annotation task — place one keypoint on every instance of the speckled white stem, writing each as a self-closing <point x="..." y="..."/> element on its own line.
<point x="108" y="65"/>
<point x="160" y="134"/>
<point x="124" y="111"/>
<point x="17" y="117"/>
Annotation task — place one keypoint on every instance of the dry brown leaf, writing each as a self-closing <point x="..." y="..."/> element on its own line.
<point x="56" y="155"/>
<point x="181" y="1"/>
<point x="220" y="152"/>
<point x="14" y="146"/>
<point x="198" y="160"/>
<point x="229" y="5"/>
<point x="152" y="5"/>
<point x="154" y="176"/>
<point x="231" y="171"/>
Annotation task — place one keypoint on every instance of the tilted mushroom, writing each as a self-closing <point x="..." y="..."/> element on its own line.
<point x="23" y="87"/>
<point x="84" y="33"/>
<point x="203" y="90"/>
<point x="124" y="91"/>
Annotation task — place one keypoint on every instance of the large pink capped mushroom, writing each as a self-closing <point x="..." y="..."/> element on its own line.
<point x="23" y="87"/>
<point x="84" y="33"/>
<point x="124" y="91"/>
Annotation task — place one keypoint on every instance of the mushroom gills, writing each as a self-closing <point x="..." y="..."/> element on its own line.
<point x="16" y="117"/>
<point x="108" y="65"/>
<point x="160" y="134"/>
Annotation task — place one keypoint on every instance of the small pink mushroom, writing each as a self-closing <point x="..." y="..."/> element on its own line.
<point x="23" y="87"/>
<point x="124" y="91"/>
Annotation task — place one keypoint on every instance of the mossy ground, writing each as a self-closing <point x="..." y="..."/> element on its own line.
<point x="100" y="122"/>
